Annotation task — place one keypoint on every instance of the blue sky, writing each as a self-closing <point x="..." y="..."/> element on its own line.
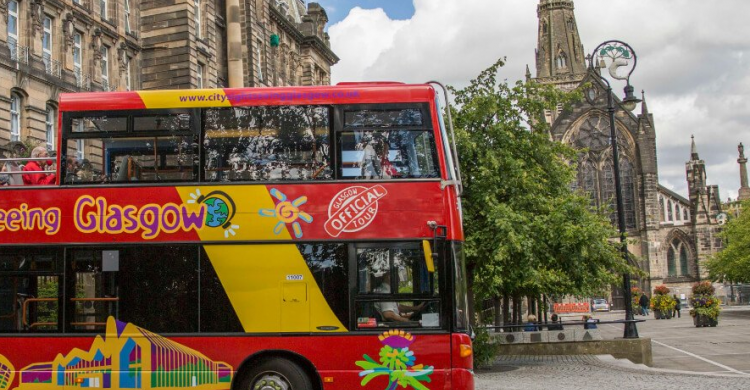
<point x="337" y="10"/>
<point x="693" y="60"/>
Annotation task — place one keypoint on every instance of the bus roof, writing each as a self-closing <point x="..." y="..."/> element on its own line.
<point x="346" y="93"/>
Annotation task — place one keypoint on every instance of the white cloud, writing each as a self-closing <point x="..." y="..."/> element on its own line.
<point x="692" y="62"/>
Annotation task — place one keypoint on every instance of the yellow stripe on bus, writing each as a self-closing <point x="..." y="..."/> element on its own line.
<point x="185" y="98"/>
<point x="272" y="289"/>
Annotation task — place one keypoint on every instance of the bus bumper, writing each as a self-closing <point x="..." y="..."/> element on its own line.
<point x="462" y="379"/>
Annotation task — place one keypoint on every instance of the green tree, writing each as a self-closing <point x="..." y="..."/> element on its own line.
<point x="732" y="264"/>
<point x="527" y="233"/>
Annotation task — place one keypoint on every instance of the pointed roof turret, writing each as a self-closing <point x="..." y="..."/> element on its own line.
<point x="644" y="109"/>
<point x="693" y="149"/>
<point x="528" y="73"/>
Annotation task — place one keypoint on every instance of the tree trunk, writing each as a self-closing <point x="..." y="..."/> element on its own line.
<point x="506" y="309"/>
<point x="498" y="314"/>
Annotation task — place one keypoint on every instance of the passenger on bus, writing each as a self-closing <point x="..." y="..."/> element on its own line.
<point x="71" y="169"/>
<point x="34" y="166"/>
<point x="392" y="311"/>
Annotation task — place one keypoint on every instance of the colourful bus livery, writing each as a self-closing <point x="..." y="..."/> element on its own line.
<point x="300" y="238"/>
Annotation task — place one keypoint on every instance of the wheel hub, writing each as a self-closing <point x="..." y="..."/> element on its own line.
<point x="270" y="382"/>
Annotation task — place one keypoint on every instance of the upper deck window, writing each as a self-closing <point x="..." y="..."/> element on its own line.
<point x="155" y="147"/>
<point x="387" y="143"/>
<point x="267" y="143"/>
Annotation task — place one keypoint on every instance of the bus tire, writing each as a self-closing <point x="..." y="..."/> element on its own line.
<point x="275" y="374"/>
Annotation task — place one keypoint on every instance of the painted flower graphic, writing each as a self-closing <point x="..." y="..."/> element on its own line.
<point x="287" y="212"/>
<point x="396" y="361"/>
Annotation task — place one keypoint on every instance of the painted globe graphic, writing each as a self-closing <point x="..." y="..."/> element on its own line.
<point x="217" y="212"/>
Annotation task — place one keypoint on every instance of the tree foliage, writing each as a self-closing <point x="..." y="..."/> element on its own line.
<point x="526" y="231"/>
<point x="732" y="264"/>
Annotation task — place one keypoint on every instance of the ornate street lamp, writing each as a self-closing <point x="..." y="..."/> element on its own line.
<point x="619" y="54"/>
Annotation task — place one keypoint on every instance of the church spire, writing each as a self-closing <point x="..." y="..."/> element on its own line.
<point x="693" y="150"/>
<point x="644" y="109"/>
<point x="559" y="52"/>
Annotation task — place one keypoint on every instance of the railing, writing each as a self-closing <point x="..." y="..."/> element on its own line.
<point x="19" y="53"/>
<point x="25" y="311"/>
<point x="53" y="67"/>
<point x="96" y="318"/>
<point x="91" y="319"/>
<point x="13" y="175"/>
<point x="83" y="81"/>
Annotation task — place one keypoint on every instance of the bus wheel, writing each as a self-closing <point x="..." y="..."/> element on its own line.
<point x="276" y="374"/>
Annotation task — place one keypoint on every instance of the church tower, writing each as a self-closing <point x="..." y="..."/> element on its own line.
<point x="559" y="54"/>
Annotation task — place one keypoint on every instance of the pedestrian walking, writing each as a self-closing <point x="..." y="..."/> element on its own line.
<point x="676" y="306"/>
<point x="644" y="302"/>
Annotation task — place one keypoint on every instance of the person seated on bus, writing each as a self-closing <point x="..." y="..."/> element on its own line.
<point x="392" y="311"/>
<point x="35" y="166"/>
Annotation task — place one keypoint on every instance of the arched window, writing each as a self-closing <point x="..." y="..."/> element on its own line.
<point x="683" y="260"/>
<point x="562" y="60"/>
<point x="678" y="258"/>
<point x="670" y="217"/>
<point x="15" y="117"/>
<point x="685" y="215"/>
<point x="671" y="266"/>
<point x="678" y="213"/>
<point x="661" y="208"/>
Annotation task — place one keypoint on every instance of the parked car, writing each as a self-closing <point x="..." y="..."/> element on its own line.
<point x="600" y="305"/>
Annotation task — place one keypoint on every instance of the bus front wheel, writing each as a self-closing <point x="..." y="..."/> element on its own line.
<point x="276" y="374"/>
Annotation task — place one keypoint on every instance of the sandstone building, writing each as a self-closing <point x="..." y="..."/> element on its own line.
<point x="671" y="236"/>
<point x="52" y="46"/>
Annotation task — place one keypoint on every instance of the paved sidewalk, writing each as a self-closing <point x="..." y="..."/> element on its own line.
<point x="685" y="358"/>
<point x="591" y="372"/>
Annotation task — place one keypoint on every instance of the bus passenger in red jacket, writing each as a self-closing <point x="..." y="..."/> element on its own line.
<point x="31" y="166"/>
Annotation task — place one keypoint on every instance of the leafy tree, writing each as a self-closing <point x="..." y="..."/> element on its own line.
<point x="527" y="233"/>
<point x="733" y="262"/>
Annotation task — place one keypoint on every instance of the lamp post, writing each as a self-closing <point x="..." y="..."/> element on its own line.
<point x="619" y="54"/>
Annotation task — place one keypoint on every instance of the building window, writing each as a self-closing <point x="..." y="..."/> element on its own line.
<point x="105" y="67"/>
<point x="49" y="125"/>
<point x="13" y="29"/>
<point x="678" y="252"/>
<point x="259" y="60"/>
<point x="127" y="16"/>
<point x="562" y="60"/>
<point x="661" y="208"/>
<point x="685" y="215"/>
<point x="15" y="118"/>
<point x="198" y="27"/>
<point x="80" y="145"/>
<point x="199" y="81"/>
<point x="77" y="58"/>
<point x="103" y="9"/>
<point x="128" y="75"/>
<point x="47" y="44"/>
<point x="670" y="216"/>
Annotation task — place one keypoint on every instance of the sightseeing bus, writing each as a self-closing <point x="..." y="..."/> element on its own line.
<point x="288" y="238"/>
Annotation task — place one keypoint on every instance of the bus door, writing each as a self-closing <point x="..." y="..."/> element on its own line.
<point x="29" y="291"/>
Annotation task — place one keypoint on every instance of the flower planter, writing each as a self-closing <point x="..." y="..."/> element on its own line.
<point x="700" y="320"/>
<point x="662" y="315"/>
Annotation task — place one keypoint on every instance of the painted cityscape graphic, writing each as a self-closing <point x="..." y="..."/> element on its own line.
<point x="127" y="357"/>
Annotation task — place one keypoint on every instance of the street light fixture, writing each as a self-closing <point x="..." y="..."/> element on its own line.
<point x="619" y="55"/>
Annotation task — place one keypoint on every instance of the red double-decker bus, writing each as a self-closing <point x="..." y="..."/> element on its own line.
<point x="280" y="238"/>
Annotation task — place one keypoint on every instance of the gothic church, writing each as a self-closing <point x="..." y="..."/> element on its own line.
<point x="670" y="236"/>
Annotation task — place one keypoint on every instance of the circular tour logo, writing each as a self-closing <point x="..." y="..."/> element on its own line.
<point x="353" y="209"/>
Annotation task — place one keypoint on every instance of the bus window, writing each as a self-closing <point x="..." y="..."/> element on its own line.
<point x="267" y="143"/>
<point x="328" y="264"/>
<point x="29" y="292"/>
<point x="396" y="289"/>
<point x="145" y="148"/>
<point x="386" y="144"/>
<point x="155" y="287"/>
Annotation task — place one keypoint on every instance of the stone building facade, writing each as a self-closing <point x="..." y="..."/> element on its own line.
<point x="670" y="236"/>
<point x="52" y="46"/>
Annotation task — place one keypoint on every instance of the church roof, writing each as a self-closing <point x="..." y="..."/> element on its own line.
<point x="673" y="194"/>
